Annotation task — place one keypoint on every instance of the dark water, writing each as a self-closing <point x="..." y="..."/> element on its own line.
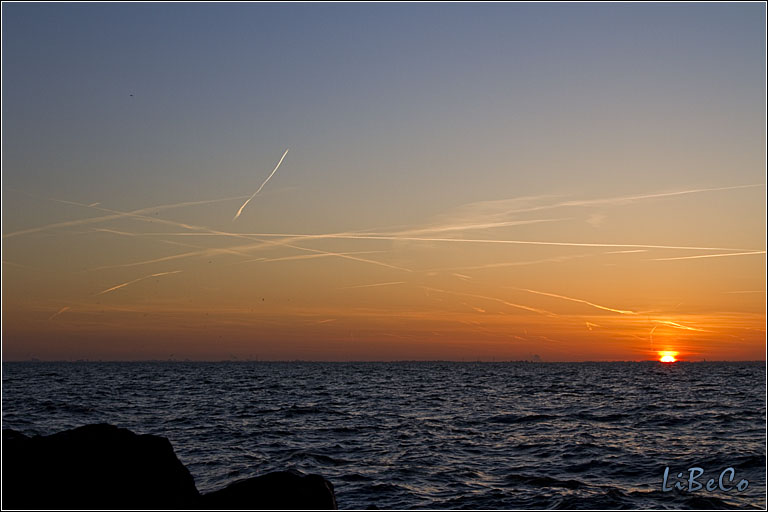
<point x="429" y="435"/>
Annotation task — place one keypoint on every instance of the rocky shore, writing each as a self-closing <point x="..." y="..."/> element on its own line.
<point x="105" y="467"/>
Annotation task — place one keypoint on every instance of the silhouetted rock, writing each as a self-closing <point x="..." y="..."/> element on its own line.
<point x="279" y="490"/>
<point x="94" y="467"/>
<point x="106" y="467"/>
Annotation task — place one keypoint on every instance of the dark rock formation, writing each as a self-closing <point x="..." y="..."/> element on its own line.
<point x="106" y="467"/>
<point x="94" y="467"/>
<point x="274" y="491"/>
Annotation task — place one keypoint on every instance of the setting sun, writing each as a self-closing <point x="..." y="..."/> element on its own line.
<point x="667" y="357"/>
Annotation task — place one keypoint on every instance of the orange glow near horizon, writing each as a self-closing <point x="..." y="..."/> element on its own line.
<point x="453" y="191"/>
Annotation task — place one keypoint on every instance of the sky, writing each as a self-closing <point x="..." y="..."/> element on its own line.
<point x="462" y="182"/>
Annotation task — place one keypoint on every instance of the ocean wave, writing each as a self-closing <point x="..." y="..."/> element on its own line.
<point x="427" y="435"/>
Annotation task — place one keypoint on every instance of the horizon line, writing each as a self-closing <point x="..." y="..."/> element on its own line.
<point x="345" y="361"/>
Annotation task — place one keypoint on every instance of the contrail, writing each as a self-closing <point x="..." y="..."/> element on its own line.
<point x="116" y="215"/>
<point x="250" y="236"/>
<point x="372" y="285"/>
<point x="65" y="308"/>
<point x="209" y="231"/>
<point x="154" y="260"/>
<point x="347" y="256"/>
<point x="200" y="252"/>
<point x="709" y="256"/>
<point x="554" y="259"/>
<point x="615" y="200"/>
<point x="464" y="227"/>
<point x="530" y="242"/>
<point x="650" y="335"/>
<point x="598" y="306"/>
<point x="250" y="261"/>
<point x="353" y="236"/>
<point x="678" y="326"/>
<point x="139" y="235"/>
<point x="627" y="199"/>
<point x="499" y="209"/>
<point x="506" y="303"/>
<point x="116" y="232"/>
<point x="319" y="255"/>
<point x="18" y="265"/>
<point x="376" y="236"/>
<point x="262" y="186"/>
<point x="305" y="256"/>
<point x="136" y="281"/>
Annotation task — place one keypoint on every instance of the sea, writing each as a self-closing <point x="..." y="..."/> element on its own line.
<point x="431" y="435"/>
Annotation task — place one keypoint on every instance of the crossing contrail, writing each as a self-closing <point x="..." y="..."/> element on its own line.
<point x="261" y="243"/>
<point x="304" y="256"/>
<point x="384" y="236"/>
<point x="208" y="231"/>
<point x="115" y="215"/>
<point x="261" y="187"/>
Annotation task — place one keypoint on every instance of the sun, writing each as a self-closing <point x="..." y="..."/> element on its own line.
<point x="667" y="356"/>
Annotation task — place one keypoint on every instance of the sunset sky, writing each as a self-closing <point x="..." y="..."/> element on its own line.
<point x="463" y="182"/>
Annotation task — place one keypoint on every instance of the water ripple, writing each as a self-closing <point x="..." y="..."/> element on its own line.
<point x="429" y="435"/>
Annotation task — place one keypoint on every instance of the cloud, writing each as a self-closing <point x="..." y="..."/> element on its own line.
<point x="596" y="220"/>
